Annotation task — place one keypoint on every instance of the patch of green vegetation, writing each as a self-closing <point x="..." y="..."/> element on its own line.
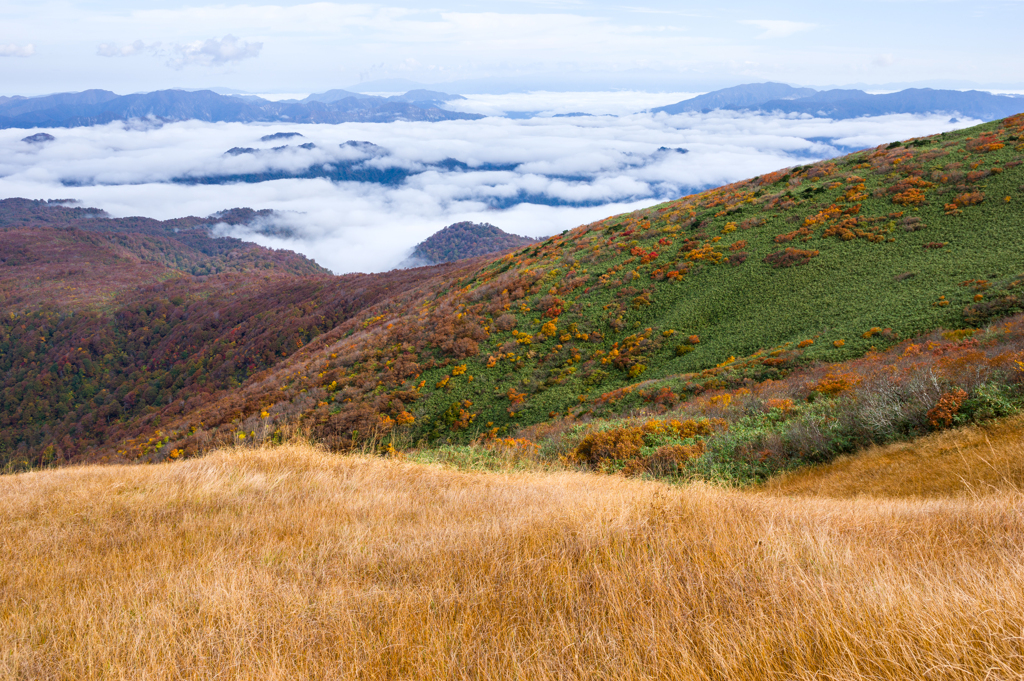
<point x="818" y="263"/>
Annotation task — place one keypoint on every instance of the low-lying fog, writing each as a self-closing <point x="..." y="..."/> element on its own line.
<point x="534" y="176"/>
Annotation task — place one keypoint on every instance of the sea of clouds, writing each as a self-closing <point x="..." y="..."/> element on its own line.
<point x="565" y="171"/>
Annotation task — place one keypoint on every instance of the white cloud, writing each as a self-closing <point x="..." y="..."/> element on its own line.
<point x="213" y="52"/>
<point x="776" y="28"/>
<point x="13" y="50"/>
<point x="884" y="60"/>
<point x="354" y="226"/>
<point x="130" y="50"/>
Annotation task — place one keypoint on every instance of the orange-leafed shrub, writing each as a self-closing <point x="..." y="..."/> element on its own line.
<point x="624" y="443"/>
<point x="820" y="217"/>
<point x="618" y="443"/>
<point x="706" y="254"/>
<point x="805" y="343"/>
<point x="835" y="384"/>
<point x="941" y="415"/>
<point x="984" y="144"/>
<point x="969" y="199"/>
<point x="783" y="405"/>
<point x="804" y="232"/>
<point x="791" y="257"/>
<point x="721" y="401"/>
<point x="910" y="197"/>
<point x="663" y="396"/>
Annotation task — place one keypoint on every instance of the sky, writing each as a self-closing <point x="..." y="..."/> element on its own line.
<point x="301" y="47"/>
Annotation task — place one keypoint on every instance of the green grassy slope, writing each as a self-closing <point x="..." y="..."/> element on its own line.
<point x="889" y="242"/>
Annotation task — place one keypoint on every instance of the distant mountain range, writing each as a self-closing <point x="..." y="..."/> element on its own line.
<point x="98" y="107"/>
<point x="839" y="104"/>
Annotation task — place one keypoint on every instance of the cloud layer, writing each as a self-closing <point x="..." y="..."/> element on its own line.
<point x="130" y="50"/>
<point x="13" y="50"/>
<point x="212" y="52"/>
<point x="613" y="162"/>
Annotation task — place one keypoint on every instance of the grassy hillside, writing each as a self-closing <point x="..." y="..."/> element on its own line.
<point x="816" y="263"/>
<point x="291" y="563"/>
<point x="726" y="289"/>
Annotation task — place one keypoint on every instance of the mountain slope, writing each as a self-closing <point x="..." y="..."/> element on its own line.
<point x="106" y="321"/>
<point x="749" y="96"/>
<point x="838" y="257"/>
<point x="744" y="282"/>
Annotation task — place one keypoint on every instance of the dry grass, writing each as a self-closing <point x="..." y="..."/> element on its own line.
<point x="966" y="462"/>
<point x="294" y="564"/>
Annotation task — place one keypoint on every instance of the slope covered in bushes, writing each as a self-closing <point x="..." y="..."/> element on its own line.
<point x="816" y="263"/>
<point x="109" y="326"/>
<point x="716" y="291"/>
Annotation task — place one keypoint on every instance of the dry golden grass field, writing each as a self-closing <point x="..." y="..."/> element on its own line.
<point x="291" y="563"/>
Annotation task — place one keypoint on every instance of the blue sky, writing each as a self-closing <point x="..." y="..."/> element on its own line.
<point x="307" y="47"/>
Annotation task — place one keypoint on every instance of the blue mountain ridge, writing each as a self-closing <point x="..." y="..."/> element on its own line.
<point x="843" y="104"/>
<point x="98" y="107"/>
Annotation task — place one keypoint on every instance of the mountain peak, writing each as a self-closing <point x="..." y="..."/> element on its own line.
<point x="465" y="240"/>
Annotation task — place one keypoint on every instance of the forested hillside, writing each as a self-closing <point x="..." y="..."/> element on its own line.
<point x="111" y="325"/>
<point x="466" y="240"/>
<point x="714" y="293"/>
